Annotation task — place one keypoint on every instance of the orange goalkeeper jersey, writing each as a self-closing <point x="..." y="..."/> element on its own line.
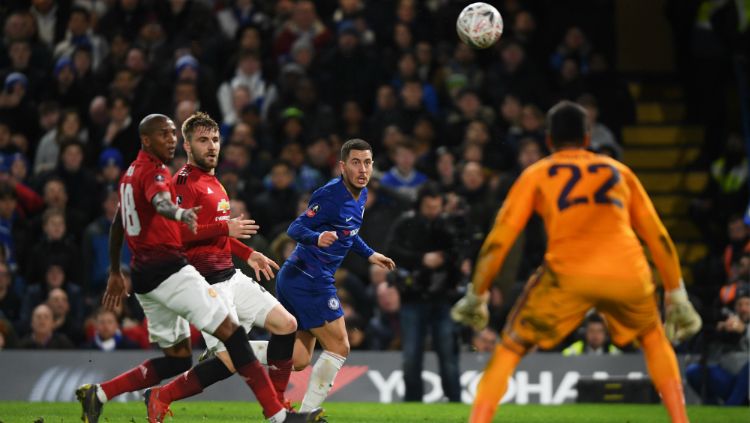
<point x="594" y="209"/>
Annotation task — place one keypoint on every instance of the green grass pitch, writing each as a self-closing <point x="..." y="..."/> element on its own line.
<point x="219" y="412"/>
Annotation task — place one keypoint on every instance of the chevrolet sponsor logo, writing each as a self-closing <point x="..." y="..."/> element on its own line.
<point x="223" y="206"/>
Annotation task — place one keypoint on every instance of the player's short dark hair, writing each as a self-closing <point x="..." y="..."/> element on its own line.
<point x="354" y="144"/>
<point x="197" y="120"/>
<point x="148" y="124"/>
<point x="566" y="124"/>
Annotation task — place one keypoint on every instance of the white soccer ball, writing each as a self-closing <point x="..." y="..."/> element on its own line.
<point x="479" y="25"/>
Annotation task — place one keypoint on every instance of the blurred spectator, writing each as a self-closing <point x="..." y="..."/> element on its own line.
<point x="318" y="117"/>
<point x="595" y="339"/>
<point x="445" y="169"/>
<point x="726" y="192"/>
<point x="95" y="249"/>
<point x="54" y="278"/>
<point x="69" y="128"/>
<point x="407" y="70"/>
<point x="475" y="191"/>
<point x="484" y="341"/>
<point x="304" y="22"/>
<point x="532" y="126"/>
<point x="425" y="250"/>
<point x="16" y="105"/>
<point x="403" y="178"/>
<point x="56" y="246"/>
<point x="111" y="166"/>
<point x="14" y="228"/>
<point x="602" y="139"/>
<point x="462" y="71"/>
<point x="469" y="108"/>
<point x="348" y="70"/>
<point x="384" y="329"/>
<point x="248" y="74"/>
<point x="278" y="205"/>
<point x="79" y="33"/>
<point x="80" y="184"/>
<point x="282" y="247"/>
<point x="574" y="46"/>
<point x="51" y="17"/>
<point x="107" y="335"/>
<point x="512" y="73"/>
<point x="721" y="377"/>
<point x="7" y="334"/>
<point x="121" y="131"/>
<point x="42" y="334"/>
<point x="386" y="112"/>
<point x="10" y="302"/>
<point x="239" y="14"/>
<point x="65" y="322"/>
<point x="352" y="122"/>
<point x="307" y="178"/>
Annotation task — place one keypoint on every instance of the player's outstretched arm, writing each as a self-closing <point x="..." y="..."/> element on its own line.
<point x="116" y="288"/>
<point x="262" y="265"/>
<point x="382" y="261"/>
<point x="681" y="321"/>
<point x="163" y="204"/>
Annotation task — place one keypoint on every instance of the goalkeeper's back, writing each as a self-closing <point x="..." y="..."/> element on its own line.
<point x="594" y="209"/>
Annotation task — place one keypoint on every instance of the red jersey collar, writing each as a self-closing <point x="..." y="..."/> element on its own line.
<point x="145" y="155"/>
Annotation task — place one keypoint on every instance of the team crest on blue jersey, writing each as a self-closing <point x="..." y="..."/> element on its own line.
<point x="312" y="210"/>
<point x="333" y="303"/>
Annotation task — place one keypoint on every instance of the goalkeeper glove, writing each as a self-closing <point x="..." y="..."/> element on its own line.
<point x="681" y="319"/>
<point x="471" y="310"/>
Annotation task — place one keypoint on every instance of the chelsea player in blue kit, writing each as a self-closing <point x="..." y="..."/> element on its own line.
<point x="325" y="232"/>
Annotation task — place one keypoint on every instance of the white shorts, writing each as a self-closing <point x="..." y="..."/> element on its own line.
<point x="183" y="297"/>
<point x="249" y="303"/>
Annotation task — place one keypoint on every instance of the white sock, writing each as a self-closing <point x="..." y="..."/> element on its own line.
<point x="260" y="349"/>
<point x="321" y="380"/>
<point x="278" y="417"/>
<point x="101" y="395"/>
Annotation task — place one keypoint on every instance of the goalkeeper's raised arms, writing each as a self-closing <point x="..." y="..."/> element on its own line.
<point x="471" y="310"/>
<point x="681" y="321"/>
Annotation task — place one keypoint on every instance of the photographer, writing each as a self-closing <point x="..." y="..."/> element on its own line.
<point x="722" y="374"/>
<point x="422" y="242"/>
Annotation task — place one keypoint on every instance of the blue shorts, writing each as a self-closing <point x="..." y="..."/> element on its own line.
<point x="310" y="303"/>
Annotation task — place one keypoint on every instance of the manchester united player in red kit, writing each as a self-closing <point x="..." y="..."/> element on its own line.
<point x="210" y="250"/>
<point x="171" y="292"/>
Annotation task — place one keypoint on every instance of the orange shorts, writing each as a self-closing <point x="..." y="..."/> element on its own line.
<point x="554" y="305"/>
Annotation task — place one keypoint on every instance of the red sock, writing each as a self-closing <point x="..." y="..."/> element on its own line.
<point x="279" y="372"/>
<point x="183" y="386"/>
<point x="257" y="379"/>
<point x="143" y="376"/>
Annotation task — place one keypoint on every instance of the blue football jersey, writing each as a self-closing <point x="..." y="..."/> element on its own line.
<point x="331" y="208"/>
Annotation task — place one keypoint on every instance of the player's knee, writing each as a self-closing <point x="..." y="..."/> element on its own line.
<point x="288" y="325"/>
<point x="341" y="348"/>
<point x="226" y="329"/>
<point x="300" y="362"/>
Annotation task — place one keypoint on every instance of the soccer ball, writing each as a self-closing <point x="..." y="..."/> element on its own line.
<point x="479" y="25"/>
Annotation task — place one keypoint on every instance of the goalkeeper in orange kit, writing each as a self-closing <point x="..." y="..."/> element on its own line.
<point x="594" y="209"/>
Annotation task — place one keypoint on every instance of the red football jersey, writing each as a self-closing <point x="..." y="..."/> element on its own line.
<point x="153" y="239"/>
<point x="209" y="250"/>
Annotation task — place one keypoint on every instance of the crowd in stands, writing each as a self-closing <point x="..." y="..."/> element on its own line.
<point x="289" y="81"/>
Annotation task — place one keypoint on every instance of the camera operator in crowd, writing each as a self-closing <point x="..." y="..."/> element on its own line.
<point x="424" y="244"/>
